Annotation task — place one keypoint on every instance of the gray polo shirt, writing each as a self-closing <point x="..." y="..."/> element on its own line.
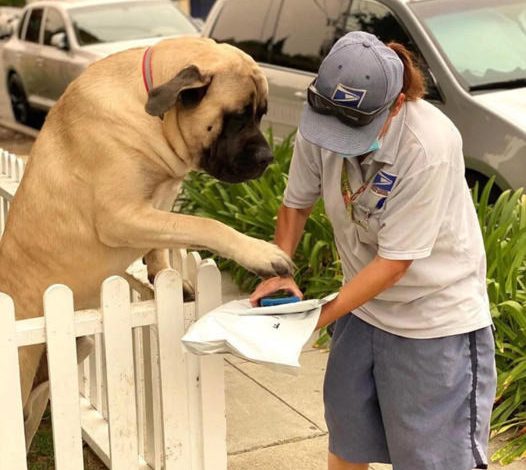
<point x="410" y="202"/>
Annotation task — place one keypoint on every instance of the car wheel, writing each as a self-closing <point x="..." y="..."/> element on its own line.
<point x="17" y="95"/>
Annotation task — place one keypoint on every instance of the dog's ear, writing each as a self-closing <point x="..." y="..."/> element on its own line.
<point x="190" y="85"/>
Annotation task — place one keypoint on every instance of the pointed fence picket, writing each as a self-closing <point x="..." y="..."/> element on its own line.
<point x="11" y="172"/>
<point x="12" y="422"/>
<point x="63" y="378"/>
<point x="138" y="400"/>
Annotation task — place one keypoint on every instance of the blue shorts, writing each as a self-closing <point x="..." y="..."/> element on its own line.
<point x="420" y="404"/>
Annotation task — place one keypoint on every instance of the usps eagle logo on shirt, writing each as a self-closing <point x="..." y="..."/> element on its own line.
<point x="347" y="96"/>
<point x="383" y="184"/>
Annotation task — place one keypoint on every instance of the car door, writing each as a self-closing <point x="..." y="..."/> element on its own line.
<point x="248" y="26"/>
<point x="30" y="60"/>
<point x="378" y="18"/>
<point x="304" y="34"/>
<point x="57" y="60"/>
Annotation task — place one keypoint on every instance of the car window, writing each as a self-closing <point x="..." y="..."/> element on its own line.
<point x="306" y="31"/>
<point x="483" y="41"/>
<point x="53" y="24"/>
<point x="21" y="25"/>
<point x="127" y="21"/>
<point x="33" y="26"/>
<point x="247" y="25"/>
<point x="375" y="18"/>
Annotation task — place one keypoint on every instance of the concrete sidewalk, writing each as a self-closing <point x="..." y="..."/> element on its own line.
<point x="275" y="420"/>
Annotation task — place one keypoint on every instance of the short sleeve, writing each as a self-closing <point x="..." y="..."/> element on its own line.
<point x="414" y="213"/>
<point x="304" y="184"/>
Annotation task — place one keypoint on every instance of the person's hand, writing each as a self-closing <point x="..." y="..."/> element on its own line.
<point x="273" y="284"/>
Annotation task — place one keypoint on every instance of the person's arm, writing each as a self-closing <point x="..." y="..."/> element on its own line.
<point x="377" y="276"/>
<point x="289" y="229"/>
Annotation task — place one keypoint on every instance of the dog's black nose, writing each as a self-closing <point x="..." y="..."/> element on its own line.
<point x="263" y="156"/>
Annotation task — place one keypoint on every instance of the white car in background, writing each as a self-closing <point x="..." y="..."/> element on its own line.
<point x="472" y="52"/>
<point x="56" y="40"/>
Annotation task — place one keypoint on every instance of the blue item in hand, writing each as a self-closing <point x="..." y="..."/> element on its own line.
<point x="271" y="301"/>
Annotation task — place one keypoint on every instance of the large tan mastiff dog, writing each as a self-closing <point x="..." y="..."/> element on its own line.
<point x="109" y="163"/>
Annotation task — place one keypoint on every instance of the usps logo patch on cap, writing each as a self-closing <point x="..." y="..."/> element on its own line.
<point x="347" y="96"/>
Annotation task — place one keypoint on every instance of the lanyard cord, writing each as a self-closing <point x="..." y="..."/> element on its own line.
<point x="347" y="193"/>
<point x="349" y="197"/>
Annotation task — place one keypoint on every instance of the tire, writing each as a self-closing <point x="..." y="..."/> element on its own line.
<point x="21" y="109"/>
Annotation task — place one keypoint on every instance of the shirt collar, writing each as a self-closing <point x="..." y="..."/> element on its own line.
<point x="391" y="140"/>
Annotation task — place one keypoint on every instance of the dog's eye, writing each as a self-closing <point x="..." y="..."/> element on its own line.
<point x="261" y="111"/>
<point x="238" y="121"/>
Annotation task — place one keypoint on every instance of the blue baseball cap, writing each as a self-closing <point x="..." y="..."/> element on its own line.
<point x="359" y="79"/>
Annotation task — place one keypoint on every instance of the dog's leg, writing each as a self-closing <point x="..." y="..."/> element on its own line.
<point x="156" y="260"/>
<point x="84" y="347"/>
<point x="144" y="227"/>
<point x="34" y="410"/>
<point x="29" y="357"/>
<point x="38" y="398"/>
<point x="34" y="400"/>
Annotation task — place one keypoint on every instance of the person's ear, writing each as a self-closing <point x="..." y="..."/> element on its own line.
<point x="397" y="105"/>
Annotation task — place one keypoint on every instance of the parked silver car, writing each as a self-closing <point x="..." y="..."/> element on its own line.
<point x="56" y="40"/>
<point x="473" y="53"/>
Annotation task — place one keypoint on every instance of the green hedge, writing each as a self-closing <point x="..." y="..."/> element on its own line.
<point x="504" y="229"/>
<point x="251" y="208"/>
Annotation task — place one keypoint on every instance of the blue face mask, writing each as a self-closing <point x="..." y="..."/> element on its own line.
<point x="376" y="145"/>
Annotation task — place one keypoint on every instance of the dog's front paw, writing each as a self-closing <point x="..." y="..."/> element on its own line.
<point x="265" y="259"/>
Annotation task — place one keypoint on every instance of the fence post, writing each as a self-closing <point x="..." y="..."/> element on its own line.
<point x="173" y="377"/>
<point x="4" y="161"/>
<point x="63" y="377"/>
<point x="152" y="408"/>
<point x="13" y="455"/>
<point x="213" y="414"/>
<point x="122" y="410"/>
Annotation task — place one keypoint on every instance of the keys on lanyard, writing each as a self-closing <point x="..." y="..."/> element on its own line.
<point x="349" y="199"/>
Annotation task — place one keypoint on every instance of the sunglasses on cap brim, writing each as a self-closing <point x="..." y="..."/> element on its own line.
<point x="349" y="116"/>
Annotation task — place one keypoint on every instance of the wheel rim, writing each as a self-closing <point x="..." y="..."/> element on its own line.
<point x="18" y="101"/>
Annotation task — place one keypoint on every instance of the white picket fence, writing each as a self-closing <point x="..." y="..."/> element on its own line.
<point x="139" y="401"/>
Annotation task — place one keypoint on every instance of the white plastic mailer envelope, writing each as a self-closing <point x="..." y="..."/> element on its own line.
<point x="269" y="335"/>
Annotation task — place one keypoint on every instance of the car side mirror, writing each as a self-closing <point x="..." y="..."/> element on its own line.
<point x="60" y="41"/>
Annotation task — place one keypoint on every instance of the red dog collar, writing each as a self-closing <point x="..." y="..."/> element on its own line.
<point x="147" y="69"/>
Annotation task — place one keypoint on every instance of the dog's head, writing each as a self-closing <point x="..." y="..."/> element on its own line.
<point x="213" y="107"/>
